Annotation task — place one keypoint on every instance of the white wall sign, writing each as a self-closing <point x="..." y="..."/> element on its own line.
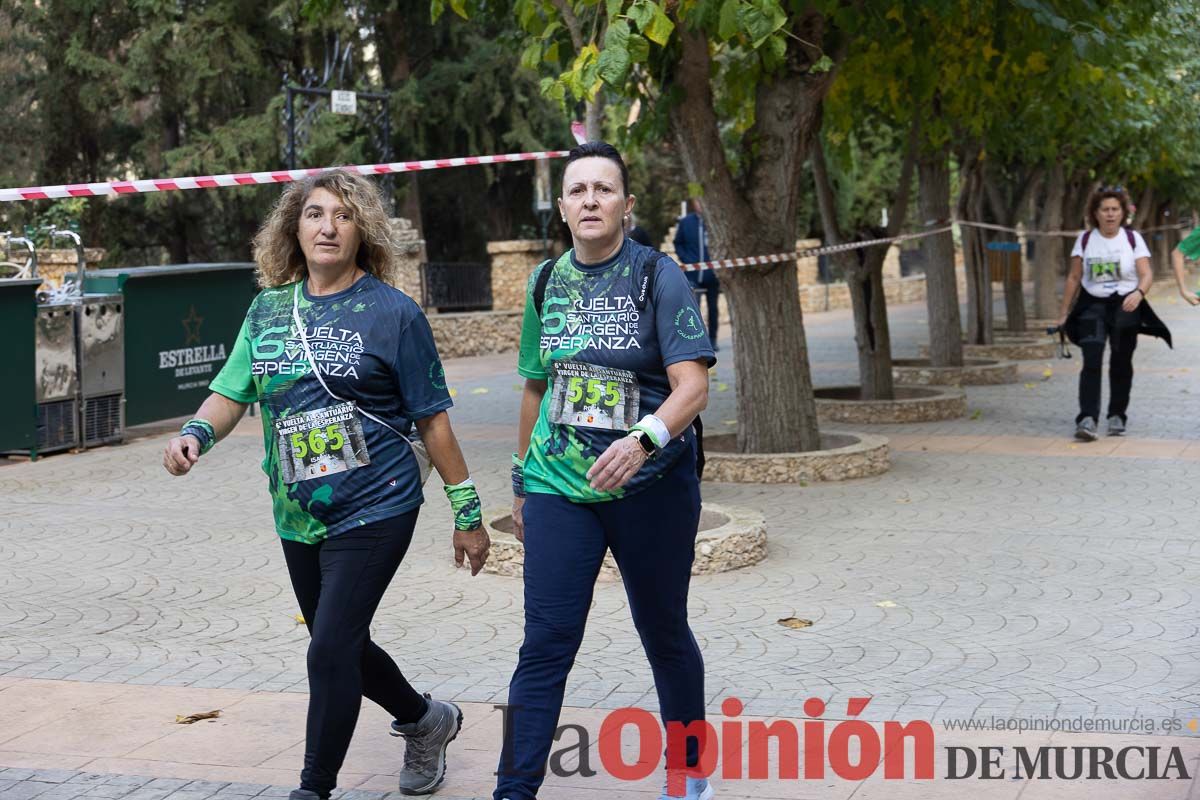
<point x="343" y="102"/>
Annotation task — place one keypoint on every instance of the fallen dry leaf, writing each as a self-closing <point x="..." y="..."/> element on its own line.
<point x="453" y="392"/>
<point x="480" y="390"/>
<point x="1029" y="386"/>
<point x="1047" y="373"/>
<point x="795" y="623"/>
<point x="978" y="414"/>
<point x="886" y="604"/>
<point x="299" y="619"/>
<point x="191" y="718"/>
<point x="722" y="387"/>
<point x="730" y="421"/>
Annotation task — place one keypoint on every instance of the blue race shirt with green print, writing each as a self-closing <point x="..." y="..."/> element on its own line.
<point x="589" y="315"/>
<point x="373" y="346"/>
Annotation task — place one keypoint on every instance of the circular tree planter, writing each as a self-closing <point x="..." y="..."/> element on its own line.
<point x="730" y="538"/>
<point x="1031" y="325"/>
<point x="912" y="404"/>
<point x="1022" y="349"/>
<point x="974" y="372"/>
<point x="842" y="456"/>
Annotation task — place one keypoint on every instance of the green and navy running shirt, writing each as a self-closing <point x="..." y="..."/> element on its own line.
<point x="589" y="315"/>
<point x="374" y="346"/>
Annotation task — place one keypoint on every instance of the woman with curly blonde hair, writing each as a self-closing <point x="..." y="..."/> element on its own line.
<point x="277" y="250"/>
<point x="343" y="366"/>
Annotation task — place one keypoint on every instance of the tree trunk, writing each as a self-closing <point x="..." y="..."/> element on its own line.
<point x="979" y="282"/>
<point x="770" y="360"/>
<point x="864" y="279"/>
<point x="1074" y="210"/>
<point x="1047" y="252"/>
<point x="1159" y="242"/>
<point x="1144" y="212"/>
<point x="401" y="28"/>
<point x="1007" y="269"/>
<point x="594" y="118"/>
<point x="941" y="284"/>
<point x="775" y="404"/>
<point x="871" y="333"/>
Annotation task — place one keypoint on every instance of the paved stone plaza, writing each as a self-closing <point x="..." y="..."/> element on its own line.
<point x="1000" y="569"/>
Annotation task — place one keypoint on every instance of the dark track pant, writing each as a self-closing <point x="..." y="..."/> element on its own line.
<point x="652" y="535"/>
<point x="712" y="309"/>
<point x="1100" y="322"/>
<point x="339" y="583"/>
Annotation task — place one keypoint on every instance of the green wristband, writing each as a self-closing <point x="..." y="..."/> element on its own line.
<point x="202" y="429"/>
<point x="464" y="501"/>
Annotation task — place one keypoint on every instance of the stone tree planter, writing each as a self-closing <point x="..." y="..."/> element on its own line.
<point x="842" y="456"/>
<point x="1035" y="326"/>
<point x="912" y="404"/>
<point x="974" y="372"/>
<point x="1014" y="349"/>
<point x="730" y="538"/>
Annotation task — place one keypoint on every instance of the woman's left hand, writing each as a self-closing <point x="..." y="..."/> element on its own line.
<point x="617" y="465"/>
<point x="1132" y="300"/>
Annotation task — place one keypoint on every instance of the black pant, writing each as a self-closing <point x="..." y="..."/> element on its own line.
<point x="711" y="292"/>
<point x="339" y="583"/>
<point x="1102" y="320"/>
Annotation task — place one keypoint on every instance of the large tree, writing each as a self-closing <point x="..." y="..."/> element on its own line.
<point x="739" y="85"/>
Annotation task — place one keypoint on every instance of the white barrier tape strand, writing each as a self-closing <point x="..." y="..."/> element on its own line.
<point x="110" y="188"/>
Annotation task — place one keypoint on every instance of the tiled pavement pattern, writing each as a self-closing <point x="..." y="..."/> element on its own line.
<point x="997" y="569"/>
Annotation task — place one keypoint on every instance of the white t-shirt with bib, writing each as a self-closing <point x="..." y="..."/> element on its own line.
<point x="1110" y="265"/>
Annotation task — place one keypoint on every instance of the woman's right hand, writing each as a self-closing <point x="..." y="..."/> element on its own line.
<point x="182" y="452"/>
<point x="518" y="518"/>
<point x="1191" y="298"/>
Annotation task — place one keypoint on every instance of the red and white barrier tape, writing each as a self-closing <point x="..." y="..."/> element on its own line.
<point x="254" y="178"/>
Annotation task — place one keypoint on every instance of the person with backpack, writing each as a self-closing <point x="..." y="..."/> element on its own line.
<point x="1111" y="264"/>
<point x="343" y="366"/>
<point x="615" y="361"/>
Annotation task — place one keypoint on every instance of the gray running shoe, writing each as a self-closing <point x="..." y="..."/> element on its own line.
<point x="1085" y="430"/>
<point x="425" y="746"/>
<point x="1116" y="426"/>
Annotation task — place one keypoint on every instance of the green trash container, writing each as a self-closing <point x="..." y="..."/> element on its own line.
<point x="18" y="401"/>
<point x="180" y="324"/>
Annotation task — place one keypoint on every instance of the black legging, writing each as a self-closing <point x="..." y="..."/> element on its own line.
<point x="339" y="583"/>
<point x="1102" y="320"/>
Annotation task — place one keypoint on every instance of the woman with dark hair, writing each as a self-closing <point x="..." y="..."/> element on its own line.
<point x="1112" y="265"/>
<point x="616" y="363"/>
<point x="343" y="366"/>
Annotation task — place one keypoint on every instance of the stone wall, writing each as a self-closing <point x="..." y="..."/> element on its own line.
<point x="807" y="269"/>
<point x="891" y="263"/>
<point x="830" y="296"/>
<point x="54" y="264"/>
<point x="410" y="252"/>
<point x="476" y="333"/>
<point x="512" y="262"/>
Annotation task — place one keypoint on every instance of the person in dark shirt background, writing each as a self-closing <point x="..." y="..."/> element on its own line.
<point x="691" y="246"/>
